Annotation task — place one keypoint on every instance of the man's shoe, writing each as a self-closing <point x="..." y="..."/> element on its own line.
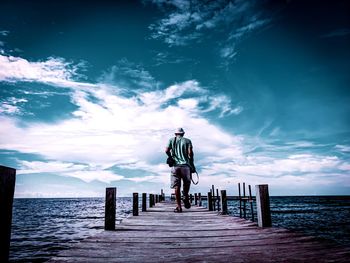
<point x="187" y="202"/>
<point x="177" y="210"/>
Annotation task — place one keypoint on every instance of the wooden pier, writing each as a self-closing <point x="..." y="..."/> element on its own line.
<point x="198" y="235"/>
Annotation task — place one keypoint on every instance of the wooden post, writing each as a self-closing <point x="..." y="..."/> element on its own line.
<point x="157" y="198"/>
<point x="218" y="199"/>
<point x="191" y="198"/>
<point x="244" y="203"/>
<point x="251" y="202"/>
<point x="213" y="196"/>
<point x="223" y="202"/>
<point x="7" y="189"/>
<point x="199" y="199"/>
<point x="135" y="204"/>
<point x="150" y="200"/>
<point x="263" y="205"/>
<point x="240" y="200"/>
<point x="110" y="207"/>
<point x="210" y="202"/>
<point x="144" y="200"/>
<point x="162" y="194"/>
<point x="195" y="199"/>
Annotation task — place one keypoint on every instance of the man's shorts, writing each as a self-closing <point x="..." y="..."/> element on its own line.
<point x="180" y="172"/>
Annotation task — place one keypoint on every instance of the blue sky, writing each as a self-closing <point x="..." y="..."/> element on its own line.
<point x="90" y="93"/>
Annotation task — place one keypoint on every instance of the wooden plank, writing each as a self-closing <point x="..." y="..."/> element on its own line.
<point x="268" y="253"/>
<point x="197" y="235"/>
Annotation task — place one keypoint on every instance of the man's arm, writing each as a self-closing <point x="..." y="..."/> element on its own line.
<point x="167" y="151"/>
<point x="190" y="156"/>
<point x="168" y="148"/>
<point x="190" y="152"/>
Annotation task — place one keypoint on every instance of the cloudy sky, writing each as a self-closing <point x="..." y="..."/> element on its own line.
<point x="90" y="93"/>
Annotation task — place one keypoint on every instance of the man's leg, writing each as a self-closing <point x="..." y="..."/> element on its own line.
<point x="186" y="177"/>
<point x="186" y="189"/>
<point x="178" y="196"/>
<point x="176" y="185"/>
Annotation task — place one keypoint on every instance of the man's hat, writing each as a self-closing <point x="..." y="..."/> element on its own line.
<point x="179" y="131"/>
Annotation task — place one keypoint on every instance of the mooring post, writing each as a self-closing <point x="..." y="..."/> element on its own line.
<point x="150" y="200"/>
<point x="191" y="198"/>
<point x="213" y="196"/>
<point x="251" y="202"/>
<point x="240" y="199"/>
<point x="199" y="199"/>
<point x="7" y="189"/>
<point x="162" y="194"/>
<point x="157" y="198"/>
<point x="135" y="204"/>
<point x="195" y="199"/>
<point x="144" y="200"/>
<point x="263" y="205"/>
<point x="110" y="207"/>
<point x="223" y="202"/>
<point x="244" y="203"/>
<point x="218" y="198"/>
<point x="210" y="202"/>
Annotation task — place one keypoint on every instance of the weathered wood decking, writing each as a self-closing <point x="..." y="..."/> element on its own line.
<point x="197" y="235"/>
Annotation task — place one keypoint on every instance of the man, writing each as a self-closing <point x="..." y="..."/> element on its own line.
<point x="180" y="149"/>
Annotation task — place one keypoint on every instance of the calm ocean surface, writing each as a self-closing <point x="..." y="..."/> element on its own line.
<point x="43" y="227"/>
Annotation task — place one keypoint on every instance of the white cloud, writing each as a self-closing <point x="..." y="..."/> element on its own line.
<point x="53" y="71"/>
<point x="187" y="22"/>
<point x="27" y="167"/>
<point x="15" y="68"/>
<point x="112" y="129"/>
<point x="132" y="131"/>
<point x="99" y="175"/>
<point x="228" y="52"/>
<point x="223" y="103"/>
<point x="4" y="32"/>
<point x="342" y="148"/>
<point x="129" y="75"/>
<point x="81" y="171"/>
<point x="296" y="165"/>
<point x="188" y="104"/>
<point x="252" y="25"/>
<point x="9" y="109"/>
<point x="12" y="106"/>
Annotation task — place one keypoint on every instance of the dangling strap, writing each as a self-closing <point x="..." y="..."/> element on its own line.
<point x="197" y="179"/>
<point x="173" y="149"/>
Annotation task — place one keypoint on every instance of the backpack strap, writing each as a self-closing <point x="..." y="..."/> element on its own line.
<point x="173" y="147"/>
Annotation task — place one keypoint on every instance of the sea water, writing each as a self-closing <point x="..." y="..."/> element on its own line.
<point x="41" y="228"/>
